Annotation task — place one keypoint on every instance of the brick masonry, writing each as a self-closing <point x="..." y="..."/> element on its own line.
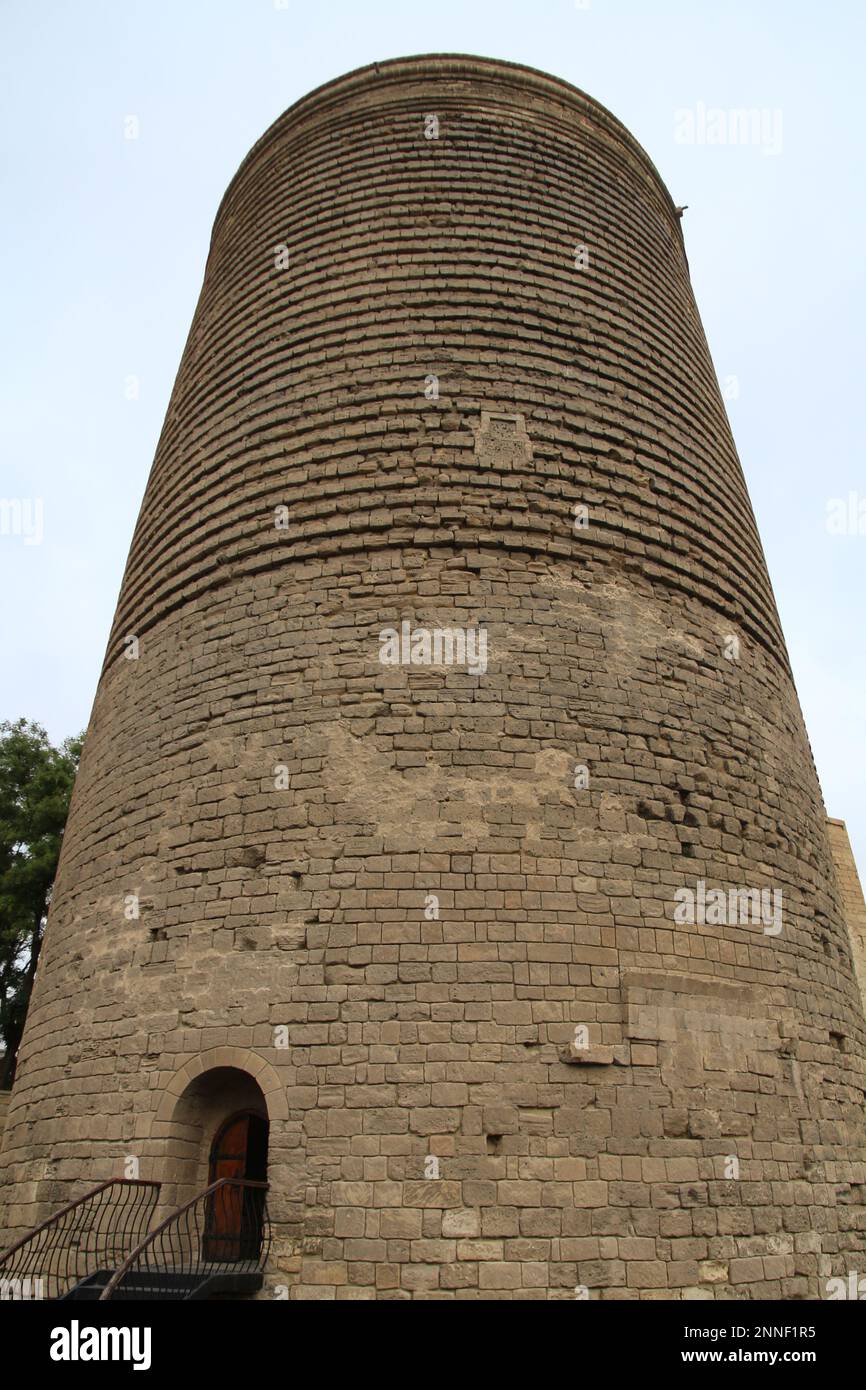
<point x="382" y="902"/>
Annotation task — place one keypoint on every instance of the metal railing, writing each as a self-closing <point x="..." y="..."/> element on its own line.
<point x="96" y="1231"/>
<point x="222" y="1234"/>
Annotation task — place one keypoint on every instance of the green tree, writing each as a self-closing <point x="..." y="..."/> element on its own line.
<point x="35" y="786"/>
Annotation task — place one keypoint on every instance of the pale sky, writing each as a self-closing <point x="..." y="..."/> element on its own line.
<point x="103" y="242"/>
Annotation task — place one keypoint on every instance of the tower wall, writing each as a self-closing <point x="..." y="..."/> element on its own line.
<point x="850" y="895"/>
<point x="400" y="892"/>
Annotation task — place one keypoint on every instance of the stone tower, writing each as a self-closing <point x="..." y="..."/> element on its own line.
<point x="446" y="798"/>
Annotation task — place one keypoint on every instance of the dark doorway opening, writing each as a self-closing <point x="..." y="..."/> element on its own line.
<point x="233" y="1227"/>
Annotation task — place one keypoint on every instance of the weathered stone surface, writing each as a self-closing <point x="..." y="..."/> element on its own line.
<point x="376" y="902"/>
<point x="851" y="895"/>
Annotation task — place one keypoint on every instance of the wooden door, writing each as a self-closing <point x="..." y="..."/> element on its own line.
<point x="233" y="1224"/>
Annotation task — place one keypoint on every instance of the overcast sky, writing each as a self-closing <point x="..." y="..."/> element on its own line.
<point x="103" y="241"/>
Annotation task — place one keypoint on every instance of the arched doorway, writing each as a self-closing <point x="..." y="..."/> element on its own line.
<point x="233" y="1228"/>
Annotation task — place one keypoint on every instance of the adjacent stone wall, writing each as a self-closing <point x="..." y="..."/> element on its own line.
<point x="435" y="909"/>
<point x="851" y="894"/>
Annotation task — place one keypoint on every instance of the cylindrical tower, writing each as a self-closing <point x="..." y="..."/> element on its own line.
<point x="446" y="800"/>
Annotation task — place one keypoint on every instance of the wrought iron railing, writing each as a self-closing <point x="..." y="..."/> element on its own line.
<point x="220" y="1236"/>
<point x="96" y="1231"/>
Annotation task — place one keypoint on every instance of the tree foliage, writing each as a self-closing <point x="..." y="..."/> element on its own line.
<point x="35" y="786"/>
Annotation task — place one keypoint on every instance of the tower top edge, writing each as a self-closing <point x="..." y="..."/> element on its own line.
<point x="444" y="65"/>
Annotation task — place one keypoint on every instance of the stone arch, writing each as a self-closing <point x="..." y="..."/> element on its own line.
<point x="197" y="1101"/>
<point x="240" y="1058"/>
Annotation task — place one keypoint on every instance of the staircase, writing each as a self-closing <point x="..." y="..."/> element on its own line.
<point x="152" y="1284"/>
<point x="100" y="1247"/>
